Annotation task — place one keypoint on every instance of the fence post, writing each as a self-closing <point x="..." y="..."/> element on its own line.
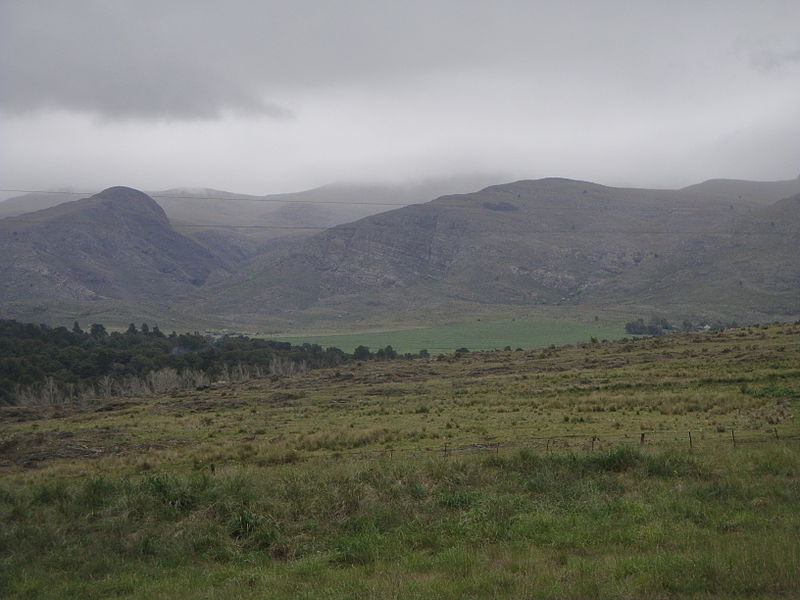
<point x="776" y="433"/>
<point x="690" y="441"/>
<point x="733" y="437"/>
<point x="594" y="437"/>
<point x="641" y="440"/>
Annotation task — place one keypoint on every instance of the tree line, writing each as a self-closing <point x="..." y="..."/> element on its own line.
<point x="39" y="363"/>
<point x="660" y="326"/>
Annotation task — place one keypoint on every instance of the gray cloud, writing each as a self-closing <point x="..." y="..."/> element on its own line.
<point x="767" y="59"/>
<point x="125" y="60"/>
<point x="290" y="94"/>
<point x="196" y="59"/>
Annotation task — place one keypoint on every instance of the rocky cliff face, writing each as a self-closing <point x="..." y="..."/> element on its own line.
<point x="754" y="264"/>
<point x="546" y="241"/>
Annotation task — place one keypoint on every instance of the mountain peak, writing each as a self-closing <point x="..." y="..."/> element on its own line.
<point x="130" y="200"/>
<point x="117" y="244"/>
<point x="121" y="192"/>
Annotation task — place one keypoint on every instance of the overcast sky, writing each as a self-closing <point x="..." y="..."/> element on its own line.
<point x="266" y="96"/>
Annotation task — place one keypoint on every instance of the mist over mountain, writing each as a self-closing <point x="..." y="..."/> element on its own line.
<point x="322" y="206"/>
<point x="33" y="201"/>
<point x="237" y="226"/>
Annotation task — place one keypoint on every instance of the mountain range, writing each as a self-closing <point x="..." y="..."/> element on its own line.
<point x="722" y="247"/>
<point x="236" y="226"/>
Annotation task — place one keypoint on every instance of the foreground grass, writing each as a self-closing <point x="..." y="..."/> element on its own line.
<point x="620" y="523"/>
<point x="333" y="483"/>
<point x="741" y="384"/>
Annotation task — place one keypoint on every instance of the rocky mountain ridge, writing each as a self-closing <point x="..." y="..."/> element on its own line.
<point x="543" y="242"/>
<point x="726" y="246"/>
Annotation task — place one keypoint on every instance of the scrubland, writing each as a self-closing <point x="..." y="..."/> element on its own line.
<point x="562" y="472"/>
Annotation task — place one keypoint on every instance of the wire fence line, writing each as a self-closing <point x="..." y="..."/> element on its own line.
<point x="689" y="440"/>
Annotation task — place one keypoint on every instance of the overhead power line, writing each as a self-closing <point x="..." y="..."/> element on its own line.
<point x="276" y="199"/>
<point x="179" y="225"/>
<point x="342" y="227"/>
<point x="271" y="199"/>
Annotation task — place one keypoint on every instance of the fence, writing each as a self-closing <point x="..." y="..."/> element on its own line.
<point x="689" y="440"/>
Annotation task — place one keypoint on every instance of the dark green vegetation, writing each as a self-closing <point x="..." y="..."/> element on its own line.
<point x="335" y="483"/>
<point x="720" y="250"/>
<point x="660" y="326"/>
<point x="40" y="364"/>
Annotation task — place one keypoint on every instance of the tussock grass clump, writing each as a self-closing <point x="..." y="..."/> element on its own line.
<point x="620" y="459"/>
<point x="610" y="521"/>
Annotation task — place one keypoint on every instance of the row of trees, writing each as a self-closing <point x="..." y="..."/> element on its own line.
<point x="57" y="362"/>
<point x="387" y="353"/>
<point x="656" y="326"/>
<point x="660" y="326"/>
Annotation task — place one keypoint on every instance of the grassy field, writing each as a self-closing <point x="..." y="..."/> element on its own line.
<point x="496" y="474"/>
<point x="478" y="334"/>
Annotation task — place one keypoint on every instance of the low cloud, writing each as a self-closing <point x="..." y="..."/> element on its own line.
<point x="276" y="95"/>
<point x="125" y="60"/>
<point x="772" y="59"/>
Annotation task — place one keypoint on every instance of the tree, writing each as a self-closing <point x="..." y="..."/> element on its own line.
<point x="132" y="329"/>
<point x="76" y="328"/>
<point x="98" y="331"/>
<point x="362" y="353"/>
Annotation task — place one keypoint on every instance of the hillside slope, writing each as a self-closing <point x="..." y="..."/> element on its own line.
<point x="753" y="264"/>
<point x="33" y="201"/>
<point x="235" y="227"/>
<point x="719" y="249"/>
<point x="117" y="244"/>
<point x="550" y="241"/>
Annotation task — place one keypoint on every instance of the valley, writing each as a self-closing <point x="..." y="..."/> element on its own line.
<point x="477" y="334"/>
<point x="721" y="250"/>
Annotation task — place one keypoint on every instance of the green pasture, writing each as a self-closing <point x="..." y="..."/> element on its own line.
<point x="474" y="335"/>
